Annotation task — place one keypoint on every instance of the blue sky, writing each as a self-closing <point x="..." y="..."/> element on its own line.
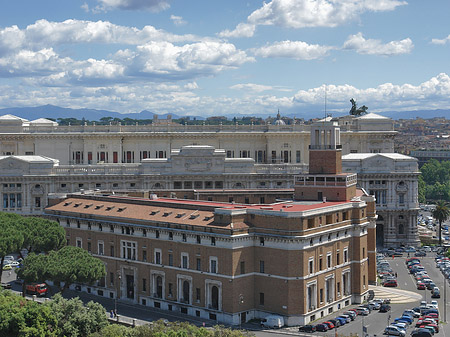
<point x="214" y="58"/>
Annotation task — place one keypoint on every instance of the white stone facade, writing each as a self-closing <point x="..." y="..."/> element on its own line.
<point x="393" y="179"/>
<point x="114" y="144"/>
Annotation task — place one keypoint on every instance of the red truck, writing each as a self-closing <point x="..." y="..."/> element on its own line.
<point x="38" y="289"/>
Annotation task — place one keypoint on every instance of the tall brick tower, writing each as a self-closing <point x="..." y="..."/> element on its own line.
<point x="325" y="180"/>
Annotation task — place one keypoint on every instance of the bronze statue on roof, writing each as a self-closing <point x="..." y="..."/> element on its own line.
<point x="357" y="111"/>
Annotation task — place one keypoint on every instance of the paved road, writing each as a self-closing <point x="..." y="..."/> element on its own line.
<point x="375" y="322"/>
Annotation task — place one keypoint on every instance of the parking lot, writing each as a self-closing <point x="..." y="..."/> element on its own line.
<point x="405" y="296"/>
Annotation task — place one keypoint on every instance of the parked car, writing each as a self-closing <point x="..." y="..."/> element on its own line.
<point x="362" y="311"/>
<point x="435" y="294"/>
<point x="322" y="327"/>
<point x="330" y="324"/>
<point x="421" y="333"/>
<point x="429" y="328"/>
<point x="6" y="285"/>
<point x="307" y="328"/>
<point x="392" y="330"/>
<point x="421" y="286"/>
<point x="420" y="253"/>
<point x="385" y="308"/>
<point x="347" y="318"/>
<point x="411" y="313"/>
<point x="7" y="267"/>
<point x="390" y="283"/>
<point x="351" y="314"/>
<point x="337" y="323"/>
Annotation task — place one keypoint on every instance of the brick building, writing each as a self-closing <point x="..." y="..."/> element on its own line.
<point x="300" y="259"/>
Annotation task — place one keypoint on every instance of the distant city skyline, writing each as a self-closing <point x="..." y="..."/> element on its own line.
<point x="225" y="58"/>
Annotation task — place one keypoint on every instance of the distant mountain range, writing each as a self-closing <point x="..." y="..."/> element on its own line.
<point x="55" y="112"/>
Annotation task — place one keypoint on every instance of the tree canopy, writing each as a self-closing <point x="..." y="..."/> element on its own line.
<point x="73" y="265"/>
<point x="434" y="183"/>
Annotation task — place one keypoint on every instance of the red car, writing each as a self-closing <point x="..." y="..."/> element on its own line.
<point x="421" y="286"/>
<point x="330" y="324"/>
<point x="434" y="326"/>
<point x="390" y="283"/>
<point x="432" y="315"/>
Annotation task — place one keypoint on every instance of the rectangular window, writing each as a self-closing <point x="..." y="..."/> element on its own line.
<point x="111" y="278"/>
<point x="157" y="256"/>
<point x="5" y="201"/>
<point x="79" y="243"/>
<point x="184" y="238"/>
<point x="242" y="267"/>
<point x="111" y="251"/>
<point x="12" y="200"/>
<point x="261" y="298"/>
<point x="144" y="255"/>
<point x="19" y="200"/>
<point x="170" y="259"/>
<point x="329" y="261"/>
<point x="129" y="249"/>
<point x="213" y="266"/>
<point x="199" y="264"/>
<point x="101" y="248"/>
<point x="184" y="261"/>
<point x="170" y="289"/>
<point x="297" y="157"/>
<point x="144" y="284"/>
<point x="199" y="239"/>
<point x="321" y="295"/>
<point x="213" y="241"/>
<point x="261" y="267"/>
<point x="345" y="255"/>
<point x="37" y="202"/>
<point x="311" y="265"/>
<point x="320" y="264"/>
<point x="197" y="294"/>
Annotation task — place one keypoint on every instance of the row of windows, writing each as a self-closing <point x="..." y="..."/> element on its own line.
<point x="329" y="261"/>
<point x="128" y="230"/>
<point x="129" y="251"/>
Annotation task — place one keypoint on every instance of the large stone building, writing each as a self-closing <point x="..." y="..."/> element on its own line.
<point x="393" y="179"/>
<point x="114" y="144"/>
<point x="27" y="181"/>
<point x="231" y="262"/>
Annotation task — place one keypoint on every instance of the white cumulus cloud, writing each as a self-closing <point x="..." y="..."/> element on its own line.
<point x="441" y="41"/>
<point x="298" y="50"/>
<point x="151" y="5"/>
<point x="309" y="13"/>
<point x="177" y="20"/>
<point x="361" y="45"/>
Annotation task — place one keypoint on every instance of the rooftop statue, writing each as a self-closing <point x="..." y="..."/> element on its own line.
<point x="357" y="111"/>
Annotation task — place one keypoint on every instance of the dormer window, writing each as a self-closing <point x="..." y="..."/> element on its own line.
<point x="121" y="209"/>
<point x="180" y="215"/>
<point x="98" y="206"/>
<point x="194" y="216"/>
<point x="154" y="212"/>
<point x="166" y="214"/>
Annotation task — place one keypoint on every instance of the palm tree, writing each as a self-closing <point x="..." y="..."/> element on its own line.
<point x="441" y="213"/>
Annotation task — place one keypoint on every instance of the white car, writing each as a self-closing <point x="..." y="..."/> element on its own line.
<point x="14" y="264"/>
<point x="393" y="330"/>
<point x="402" y="326"/>
<point x="411" y="313"/>
<point x="435" y="304"/>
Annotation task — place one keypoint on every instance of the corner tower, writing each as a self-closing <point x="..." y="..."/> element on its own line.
<point x="325" y="180"/>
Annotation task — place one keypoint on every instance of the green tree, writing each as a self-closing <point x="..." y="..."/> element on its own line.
<point x="19" y="317"/>
<point x="34" y="269"/>
<point x="73" y="265"/>
<point x="115" y="330"/>
<point x="11" y="239"/>
<point x="441" y="213"/>
<point x="42" y="235"/>
<point x="75" y="319"/>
